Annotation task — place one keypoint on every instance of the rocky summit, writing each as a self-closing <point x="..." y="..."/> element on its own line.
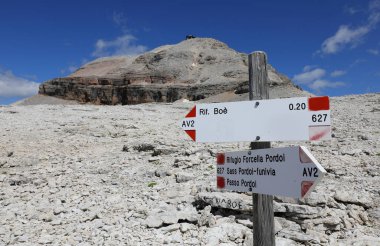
<point x="193" y="69"/>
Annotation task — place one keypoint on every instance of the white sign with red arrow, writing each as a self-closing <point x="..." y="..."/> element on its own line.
<point x="290" y="171"/>
<point x="264" y="120"/>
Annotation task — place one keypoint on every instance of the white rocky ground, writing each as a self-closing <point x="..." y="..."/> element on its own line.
<point x="113" y="175"/>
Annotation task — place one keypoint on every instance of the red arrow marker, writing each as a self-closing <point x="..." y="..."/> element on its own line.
<point x="305" y="187"/>
<point x="192" y="113"/>
<point x="305" y="159"/>
<point x="319" y="132"/>
<point x="192" y="134"/>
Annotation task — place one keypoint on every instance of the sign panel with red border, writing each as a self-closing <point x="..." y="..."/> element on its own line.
<point x="288" y="119"/>
<point x="290" y="171"/>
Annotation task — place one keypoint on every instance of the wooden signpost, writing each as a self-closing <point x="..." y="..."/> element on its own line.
<point x="264" y="120"/>
<point x="262" y="205"/>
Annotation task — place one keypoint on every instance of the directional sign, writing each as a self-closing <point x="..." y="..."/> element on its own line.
<point x="264" y="120"/>
<point x="290" y="171"/>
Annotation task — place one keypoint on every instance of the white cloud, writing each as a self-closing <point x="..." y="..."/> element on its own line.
<point x="344" y="36"/>
<point x="13" y="86"/>
<point x="73" y="67"/>
<point x="357" y="62"/>
<point x="123" y="45"/>
<point x="374" y="9"/>
<point x="309" y="67"/>
<point x="119" y="19"/>
<point x="373" y="51"/>
<point x="69" y="69"/>
<point x="352" y="10"/>
<point x="312" y="77"/>
<point x="321" y="84"/>
<point x="352" y="36"/>
<point x="338" y="73"/>
<point x="309" y="75"/>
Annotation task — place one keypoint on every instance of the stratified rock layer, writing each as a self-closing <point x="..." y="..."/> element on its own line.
<point x="193" y="69"/>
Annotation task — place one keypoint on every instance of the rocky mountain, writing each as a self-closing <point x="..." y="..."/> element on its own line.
<point x="129" y="175"/>
<point x="194" y="69"/>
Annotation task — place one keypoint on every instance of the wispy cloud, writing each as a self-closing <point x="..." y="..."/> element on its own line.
<point x="123" y="45"/>
<point x="13" y="86"/>
<point x="357" y="62"/>
<point x="314" y="79"/>
<point x="373" y="51"/>
<point x="352" y="36"/>
<point x="120" y="20"/>
<point x="374" y="10"/>
<point x="309" y="75"/>
<point x="69" y="69"/>
<point x="73" y="67"/>
<point x="337" y="73"/>
<point x="343" y="37"/>
<point x="320" y="84"/>
<point x="352" y="10"/>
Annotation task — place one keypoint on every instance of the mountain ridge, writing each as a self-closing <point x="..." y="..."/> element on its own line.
<point x="193" y="69"/>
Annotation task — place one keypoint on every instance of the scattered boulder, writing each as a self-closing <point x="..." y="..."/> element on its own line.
<point x="358" y="198"/>
<point x="206" y="218"/>
<point x="153" y="221"/>
<point x="144" y="147"/>
<point x="183" y="177"/>
<point x="229" y="200"/>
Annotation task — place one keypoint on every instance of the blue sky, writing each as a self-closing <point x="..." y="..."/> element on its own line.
<point x="327" y="47"/>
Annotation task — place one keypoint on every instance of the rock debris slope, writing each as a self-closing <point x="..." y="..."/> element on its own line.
<point x="193" y="69"/>
<point x="99" y="175"/>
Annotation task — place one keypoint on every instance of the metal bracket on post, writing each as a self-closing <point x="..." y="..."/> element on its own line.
<point x="263" y="216"/>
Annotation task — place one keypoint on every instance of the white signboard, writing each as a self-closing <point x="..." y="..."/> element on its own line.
<point x="290" y="171"/>
<point x="264" y="120"/>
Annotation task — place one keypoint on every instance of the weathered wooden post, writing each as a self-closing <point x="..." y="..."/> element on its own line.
<point x="263" y="216"/>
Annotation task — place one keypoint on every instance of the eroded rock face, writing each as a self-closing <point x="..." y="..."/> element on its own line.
<point x="193" y="69"/>
<point x="121" y="91"/>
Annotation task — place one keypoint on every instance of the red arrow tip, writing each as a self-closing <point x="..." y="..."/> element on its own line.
<point x="191" y="133"/>
<point x="192" y="113"/>
<point x="305" y="187"/>
<point x="319" y="132"/>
